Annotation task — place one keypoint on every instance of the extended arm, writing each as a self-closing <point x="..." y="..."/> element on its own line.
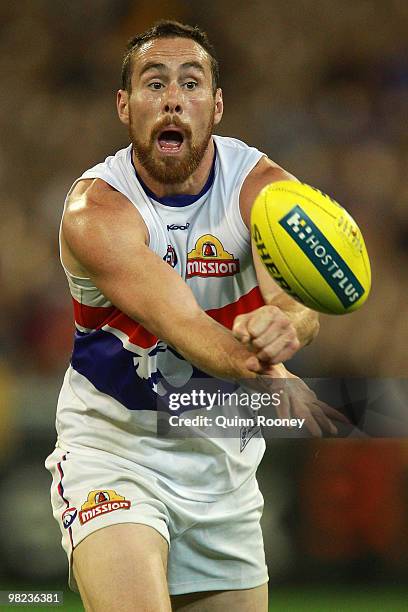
<point x="105" y="239"/>
<point x="276" y="331"/>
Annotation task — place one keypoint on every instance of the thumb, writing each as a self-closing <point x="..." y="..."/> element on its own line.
<point x="252" y="364"/>
<point x="240" y="329"/>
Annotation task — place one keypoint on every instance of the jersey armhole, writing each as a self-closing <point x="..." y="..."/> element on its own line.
<point x="92" y="174"/>
<point x="64" y="267"/>
<point x="241" y="231"/>
<point x="152" y="236"/>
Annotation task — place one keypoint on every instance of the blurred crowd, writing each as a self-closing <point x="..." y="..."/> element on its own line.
<point x="320" y="86"/>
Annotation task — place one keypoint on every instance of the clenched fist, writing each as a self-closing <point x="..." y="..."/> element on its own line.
<point x="269" y="334"/>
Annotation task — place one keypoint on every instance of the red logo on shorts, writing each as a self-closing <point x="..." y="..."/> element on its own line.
<point x="102" y="502"/>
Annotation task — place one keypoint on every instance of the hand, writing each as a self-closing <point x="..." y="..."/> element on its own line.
<point x="269" y="333"/>
<point x="298" y="401"/>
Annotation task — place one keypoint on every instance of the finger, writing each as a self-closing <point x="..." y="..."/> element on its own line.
<point x="287" y="352"/>
<point x="302" y="411"/>
<point x="283" y="346"/>
<point x="314" y="409"/>
<point x="263" y="318"/>
<point x="324" y="422"/>
<point x="333" y="413"/>
<point x="240" y="328"/>
<point x="311" y="424"/>
<point x="252" y="364"/>
<point x="283" y="410"/>
<point x="275" y="330"/>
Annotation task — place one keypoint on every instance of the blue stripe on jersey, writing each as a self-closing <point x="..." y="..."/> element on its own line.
<point x="179" y="200"/>
<point x="112" y="369"/>
<point x="102" y="359"/>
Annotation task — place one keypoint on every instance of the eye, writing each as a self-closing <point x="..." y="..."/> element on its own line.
<point x="190" y="85"/>
<point x="155" y="85"/>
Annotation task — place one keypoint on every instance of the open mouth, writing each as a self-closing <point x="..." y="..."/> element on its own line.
<point x="170" y="140"/>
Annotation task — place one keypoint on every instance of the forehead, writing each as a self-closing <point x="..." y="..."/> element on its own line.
<point x="171" y="52"/>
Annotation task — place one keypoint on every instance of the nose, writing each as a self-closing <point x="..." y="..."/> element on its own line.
<point x="172" y="101"/>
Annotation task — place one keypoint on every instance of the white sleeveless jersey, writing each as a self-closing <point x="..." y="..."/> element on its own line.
<point x="119" y="370"/>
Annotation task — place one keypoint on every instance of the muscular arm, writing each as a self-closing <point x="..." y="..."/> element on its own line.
<point x="304" y="321"/>
<point x="105" y="238"/>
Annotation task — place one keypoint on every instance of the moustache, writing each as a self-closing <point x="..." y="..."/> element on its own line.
<point x="174" y="122"/>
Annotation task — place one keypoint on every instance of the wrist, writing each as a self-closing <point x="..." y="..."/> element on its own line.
<point x="304" y="320"/>
<point x="305" y="323"/>
<point x="239" y="361"/>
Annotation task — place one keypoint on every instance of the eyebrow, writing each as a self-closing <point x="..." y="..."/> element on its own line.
<point x="152" y="66"/>
<point x="195" y="65"/>
<point x="162" y="67"/>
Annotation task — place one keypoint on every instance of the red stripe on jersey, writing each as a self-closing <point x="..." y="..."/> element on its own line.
<point x="246" y="303"/>
<point x="137" y="333"/>
<point x="91" y="317"/>
<point x="95" y="317"/>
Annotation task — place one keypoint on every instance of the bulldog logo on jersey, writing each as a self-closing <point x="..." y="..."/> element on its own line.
<point x="68" y="517"/>
<point x="209" y="258"/>
<point x="170" y="256"/>
<point x="101" y="502"/>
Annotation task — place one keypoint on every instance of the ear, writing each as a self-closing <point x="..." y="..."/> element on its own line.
<point x="219" y="106"/>
<point x="122" y="105"/>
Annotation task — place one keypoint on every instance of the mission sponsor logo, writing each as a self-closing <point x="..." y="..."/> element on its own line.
<point x="323" y="255"/>
<point x="210" y="259"/>
<point x="102" y="502"/>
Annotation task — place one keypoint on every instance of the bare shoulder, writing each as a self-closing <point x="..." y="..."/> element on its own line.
<point x="266" y="171"/>
<point x="95" y="203"/>
<point x="95" y="196"/>
<point x="96" y="219"/>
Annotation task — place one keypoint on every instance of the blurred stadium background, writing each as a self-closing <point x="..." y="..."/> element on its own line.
<point x="322" y="87"/>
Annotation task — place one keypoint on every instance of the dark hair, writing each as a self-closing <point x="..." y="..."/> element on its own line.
<point x="168" y="29"/>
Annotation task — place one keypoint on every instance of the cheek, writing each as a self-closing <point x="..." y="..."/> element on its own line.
<point x="144" y="108"/>
<point x="203" y="100"/>
<point x="203" y="109"/>
<point x="142" y="116"/>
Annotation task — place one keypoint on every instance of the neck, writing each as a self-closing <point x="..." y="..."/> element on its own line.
<point x="192" y="186"/>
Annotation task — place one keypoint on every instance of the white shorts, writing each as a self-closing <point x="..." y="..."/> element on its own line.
<point x="214" y="545"/>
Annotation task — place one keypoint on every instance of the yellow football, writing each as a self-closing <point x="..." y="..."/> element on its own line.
<point x="311" y="246"/>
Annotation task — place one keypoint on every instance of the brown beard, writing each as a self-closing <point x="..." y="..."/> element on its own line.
<point x="170" y="170"/>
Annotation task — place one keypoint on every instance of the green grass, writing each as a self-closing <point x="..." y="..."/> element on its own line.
<point x="338" y="599"/>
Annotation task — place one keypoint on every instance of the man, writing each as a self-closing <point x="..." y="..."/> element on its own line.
<point x="155" y="243"/>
